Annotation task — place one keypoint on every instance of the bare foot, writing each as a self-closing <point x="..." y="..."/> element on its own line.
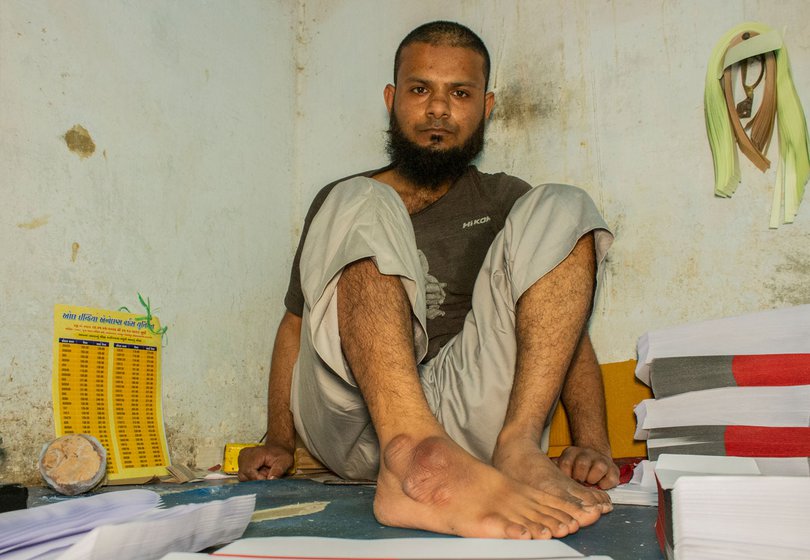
<point x="435" y="485"/>
<point x="526" y="462"/>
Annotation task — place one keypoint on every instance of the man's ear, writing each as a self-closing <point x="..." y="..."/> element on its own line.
<point x="489" y="103"/>
<point x="388" y="95"/>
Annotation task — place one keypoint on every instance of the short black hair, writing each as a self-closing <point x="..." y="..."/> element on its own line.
<point x="444" y="33"/>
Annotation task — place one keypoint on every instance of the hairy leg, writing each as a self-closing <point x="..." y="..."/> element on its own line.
<point x="550" y="318"/>
<point x="589" y="459"/>
<point x="426" y="480"/>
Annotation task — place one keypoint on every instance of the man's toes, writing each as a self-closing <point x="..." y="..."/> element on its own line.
<point x="558" y="522"/>
<point x="558" y="529"/>
<point x="539" y="531"/>
<point x="600" y="499"/>
<point x="585" y="515"/>
<point x="517" y="531"/>
<point x="571" y="524"/>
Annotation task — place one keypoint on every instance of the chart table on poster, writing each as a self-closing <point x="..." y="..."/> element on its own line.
<point x="107" y="384"/>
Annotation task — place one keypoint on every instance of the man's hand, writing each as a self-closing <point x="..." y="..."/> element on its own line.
<point x="272" y="459"/>
<point x="587" y="466"/>
<point x="265" y="462"/>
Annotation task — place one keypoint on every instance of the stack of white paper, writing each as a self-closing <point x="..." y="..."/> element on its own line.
<point x="641" y="490"/>
<point x="63" y="521"/>
<point x="778" y="331"/>
<point x="741" y="518"/>
<point x="728" y="406"/>
<point x="189" y="527"/>
<point x="121" y="525"/>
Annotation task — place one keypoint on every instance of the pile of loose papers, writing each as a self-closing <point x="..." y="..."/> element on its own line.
<point x="122" y="525"/>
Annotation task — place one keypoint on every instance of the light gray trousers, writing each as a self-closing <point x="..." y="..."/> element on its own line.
<point x="468" y="383"/>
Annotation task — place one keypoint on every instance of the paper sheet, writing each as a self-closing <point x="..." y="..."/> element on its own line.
<point x="183" y="528"/>
<point x="46" y="524"/>
<point x="123" y="525"/>
<point x="403" y="549"/>
<point x="669" y="468"/>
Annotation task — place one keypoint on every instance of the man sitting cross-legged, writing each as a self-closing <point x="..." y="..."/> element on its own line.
<point x="435" y="316"/>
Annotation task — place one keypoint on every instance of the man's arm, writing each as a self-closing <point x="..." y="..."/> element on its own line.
<point x="583" y="395"/>
<point x="272" y="459"/>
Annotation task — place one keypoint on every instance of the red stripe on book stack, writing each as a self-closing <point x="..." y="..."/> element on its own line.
<point x="760" y="441"/>
<point x="774" y="370"/>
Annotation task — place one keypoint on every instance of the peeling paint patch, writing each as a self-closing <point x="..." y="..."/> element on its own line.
<point x="78" y="141"/>
<point x="182" y="444"/>
<point x="515" y="104"/>
<point x="35" y="223"/>
<point x="33" y="426"/>
<point x="790" y="286"/>
<point x="74" y="251"/>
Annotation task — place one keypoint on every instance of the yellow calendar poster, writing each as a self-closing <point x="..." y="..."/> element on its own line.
<point x="106" y="383"/>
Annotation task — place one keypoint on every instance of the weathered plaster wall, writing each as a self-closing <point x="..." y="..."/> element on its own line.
<point x="215" y="123"/>
<point x="185" y="199"/>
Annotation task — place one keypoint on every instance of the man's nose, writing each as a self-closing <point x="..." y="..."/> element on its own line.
<point x="438" y="106"/>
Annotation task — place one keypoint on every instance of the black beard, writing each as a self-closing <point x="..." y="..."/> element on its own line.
<point x="430" y="166"/>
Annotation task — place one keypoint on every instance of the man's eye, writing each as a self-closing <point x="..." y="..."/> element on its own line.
<point x="460" y="93"/>
<point x="419" y="89"/>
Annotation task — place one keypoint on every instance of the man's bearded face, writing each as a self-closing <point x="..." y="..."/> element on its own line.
<point x="433" y="165"/>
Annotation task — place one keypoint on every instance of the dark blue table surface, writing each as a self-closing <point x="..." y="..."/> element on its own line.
<point x="625" y="533"/>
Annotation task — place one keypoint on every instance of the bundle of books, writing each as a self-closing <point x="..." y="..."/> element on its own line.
<point x="730" y="390"/>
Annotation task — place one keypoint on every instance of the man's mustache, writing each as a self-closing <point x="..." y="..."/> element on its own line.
<point x="438" y="125"/>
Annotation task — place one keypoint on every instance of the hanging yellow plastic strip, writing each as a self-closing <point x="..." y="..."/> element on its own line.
<point x="793" y="168"/>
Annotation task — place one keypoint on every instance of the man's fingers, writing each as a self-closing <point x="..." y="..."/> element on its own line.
<point x="253" y="464"/>
<point x="265" y="473"/>
<point x="276" y="470"/>
<point x="564" y="464"/>
<point x="566" y="461"/>
<point x="589" y="466"/>
<point x="574" y="462"/>
<point x="597" y="471"/>
<point x="611" y="478"/>
<point x="247" y="474"/>
<point x="275" y="474"/>
<point x="264" y="463"/>
<point x="583" y="466"/>
<point x="247" y="467"/>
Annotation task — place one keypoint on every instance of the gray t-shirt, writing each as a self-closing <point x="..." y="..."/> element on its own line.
<point x="453" y="236"/>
